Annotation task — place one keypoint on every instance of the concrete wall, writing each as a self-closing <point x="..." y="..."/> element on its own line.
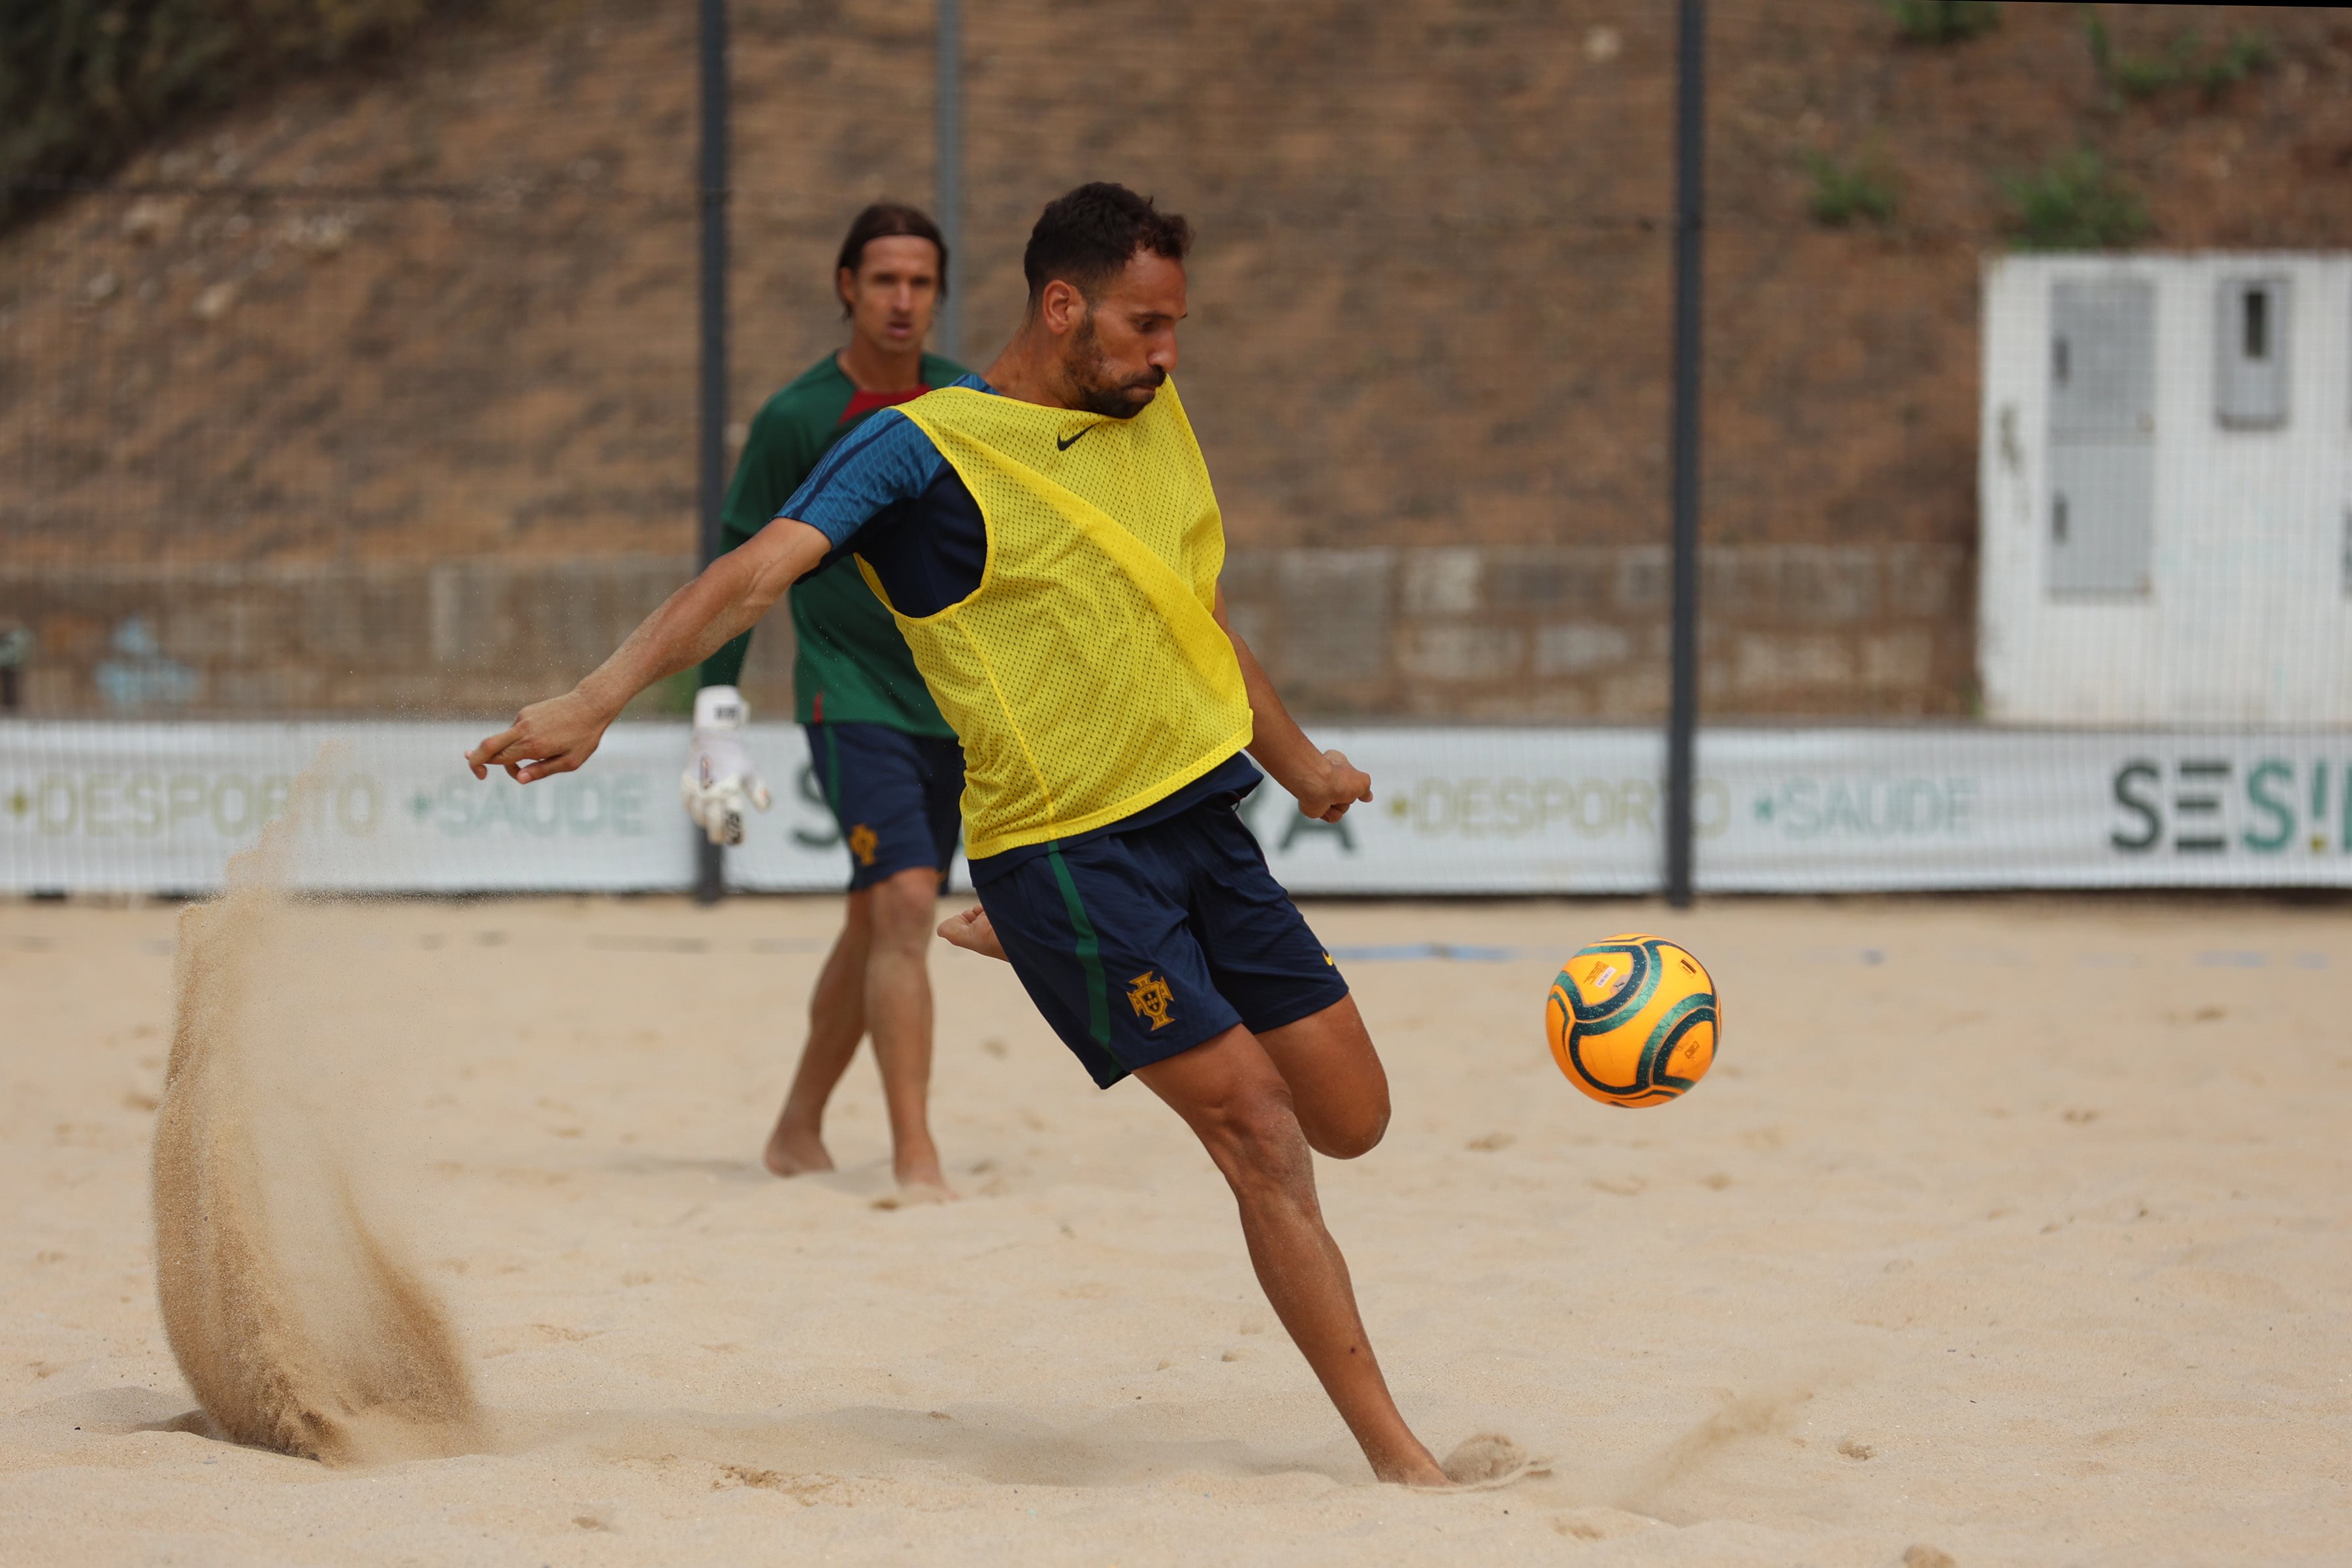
<point x="1535" y="633"/>
<point x="295" y="640"/>
<point x="1554" y="632"/>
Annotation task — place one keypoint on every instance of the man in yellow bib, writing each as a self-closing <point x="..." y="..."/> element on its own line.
<point x="1047" y="541"/>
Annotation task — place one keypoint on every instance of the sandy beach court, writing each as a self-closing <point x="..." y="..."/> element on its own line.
<point x="2015" y="1229"/>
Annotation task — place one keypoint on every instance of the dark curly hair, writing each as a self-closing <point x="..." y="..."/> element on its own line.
<point x="886" y="220"/>
<point x="1084" y="237"/>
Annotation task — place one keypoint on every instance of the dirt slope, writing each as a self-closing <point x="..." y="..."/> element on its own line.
<point x="1430" y="296"/>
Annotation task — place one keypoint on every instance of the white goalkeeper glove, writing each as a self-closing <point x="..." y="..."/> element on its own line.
<point x="719" y="780"/>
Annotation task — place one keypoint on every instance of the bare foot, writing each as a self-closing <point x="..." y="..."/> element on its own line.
<point x="922" y="1169"/>
<point x="795" y="1151"/>
<point x="915" y="1195"/>
<point x="1416" y="1469"/>
<point x="1486" y="1462"/>
<point x="920" y="1180"/>
<point x="971" y="932"/>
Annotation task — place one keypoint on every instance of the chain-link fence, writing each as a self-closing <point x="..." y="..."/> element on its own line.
<point x="364" y="401"/>
<point x="2019" y="521"/>
<point x="2045" y="411"/>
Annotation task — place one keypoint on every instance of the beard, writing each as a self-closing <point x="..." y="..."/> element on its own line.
<point x="1094" y="386"/>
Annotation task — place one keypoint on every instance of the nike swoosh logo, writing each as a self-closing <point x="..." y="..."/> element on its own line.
<point x="1062" y="445"/>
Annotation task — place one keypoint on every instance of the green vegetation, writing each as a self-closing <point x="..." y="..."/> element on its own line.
<point x="1942" y="21"/>
<point x="2073" y="203"/>
<point x="2103" y="49"/>
<point x="85" y="83"/>
<point x="2149" y="75"/>
<point x="2144" y="76"/>
<point x="1864" y="188"/>
<point x="2248" y="54"/>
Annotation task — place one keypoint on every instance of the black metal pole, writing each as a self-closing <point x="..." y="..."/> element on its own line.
<point x="710" y="859"/>
<point x="1681" y="719"/>
<point x="947" y="195"/>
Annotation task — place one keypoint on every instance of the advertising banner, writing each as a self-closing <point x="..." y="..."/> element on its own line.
<point x="390" y="807"/>
<point x="387" y="809"/>
<point x="1881" y="808"/>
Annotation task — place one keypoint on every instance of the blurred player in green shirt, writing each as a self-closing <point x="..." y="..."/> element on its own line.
<point x="887" y="763"/>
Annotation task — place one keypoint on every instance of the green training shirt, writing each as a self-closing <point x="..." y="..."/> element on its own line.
<point x="850" y="665"/>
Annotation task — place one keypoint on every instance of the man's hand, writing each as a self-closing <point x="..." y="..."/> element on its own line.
<point x="719" y="780"/>
<point x="1330" y="792"/>
<point x="971" y="932"/>
<point x="550" y="737"/>
<point x="732" y="593"/>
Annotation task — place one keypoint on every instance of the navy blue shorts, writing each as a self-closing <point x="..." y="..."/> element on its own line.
<point x="896" y="796"/>
<point x="1138" y="946"/>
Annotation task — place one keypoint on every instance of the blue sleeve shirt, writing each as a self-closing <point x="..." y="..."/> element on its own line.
<point x="885" y="492"/>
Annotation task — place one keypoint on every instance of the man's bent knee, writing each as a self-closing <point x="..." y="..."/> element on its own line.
<point x="905" y="906"/>
<point x="1346" y="1118"/>
<point x="857" y="913"/>
<point x="1346" y="1134"/>
<point x="1336" y="1078"/>
<point x="1258" y="1142"/>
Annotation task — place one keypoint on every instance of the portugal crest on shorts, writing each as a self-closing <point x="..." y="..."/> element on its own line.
<point x="1150" y="996"/>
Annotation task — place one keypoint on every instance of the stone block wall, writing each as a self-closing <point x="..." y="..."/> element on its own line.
<point x="296" y="640"/>
<point x="1561" y="632"/>
<point x="1511" y="633"/>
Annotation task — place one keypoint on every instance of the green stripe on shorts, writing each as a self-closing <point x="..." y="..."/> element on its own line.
<point x="1090" y="949"/>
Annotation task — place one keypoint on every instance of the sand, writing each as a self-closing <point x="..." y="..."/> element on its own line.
<point x="2005" y="1231"/>
<point x="296" y="1317"/>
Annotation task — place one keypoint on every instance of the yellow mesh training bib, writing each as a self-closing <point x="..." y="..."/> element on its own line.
<point x="1086" y="675"/>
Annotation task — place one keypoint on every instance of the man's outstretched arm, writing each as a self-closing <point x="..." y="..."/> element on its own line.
<point x="732" y="593"/>
<point x="1325" y="782"/>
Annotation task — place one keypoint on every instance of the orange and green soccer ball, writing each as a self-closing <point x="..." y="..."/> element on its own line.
<point x="1634" y="1020"/>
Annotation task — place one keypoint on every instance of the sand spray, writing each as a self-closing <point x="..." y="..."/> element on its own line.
<point x="294" y="1314"/>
